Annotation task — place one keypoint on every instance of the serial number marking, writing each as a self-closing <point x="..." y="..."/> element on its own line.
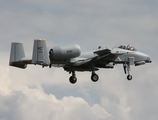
<point x="39" y="48"/>
<point x="69" y="51"/>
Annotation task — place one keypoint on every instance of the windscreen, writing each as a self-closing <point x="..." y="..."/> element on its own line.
<point x="128" y="47"/>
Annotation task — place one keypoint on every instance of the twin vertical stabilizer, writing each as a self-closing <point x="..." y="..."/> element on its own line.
<point x="40" y="53"/>
<point x="16" y="55"/>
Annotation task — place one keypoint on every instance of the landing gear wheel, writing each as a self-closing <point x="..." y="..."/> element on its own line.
<point x="73" y="79"/>
<point x="94" y="77"/>
<point x="129" y="77"/>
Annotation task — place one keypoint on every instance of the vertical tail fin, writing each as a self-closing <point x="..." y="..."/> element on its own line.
<point x="16" y="54"/>
<point x="40" y="53"/>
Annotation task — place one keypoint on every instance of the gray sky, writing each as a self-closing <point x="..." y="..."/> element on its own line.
<point x="37" y="94"/>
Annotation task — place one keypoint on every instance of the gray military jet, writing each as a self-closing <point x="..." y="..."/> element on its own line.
<point x="71" y="58"/>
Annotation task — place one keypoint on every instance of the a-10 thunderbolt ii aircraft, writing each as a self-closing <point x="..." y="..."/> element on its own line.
<point x="71" y="58"/>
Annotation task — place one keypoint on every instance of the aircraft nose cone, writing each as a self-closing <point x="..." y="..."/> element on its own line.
<point x="144" y="57"/>
<point x="148" y="60"/>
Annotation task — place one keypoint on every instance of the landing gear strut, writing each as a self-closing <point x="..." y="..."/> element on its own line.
<point x="126" y="66"/>
<point x="94" y="76"/>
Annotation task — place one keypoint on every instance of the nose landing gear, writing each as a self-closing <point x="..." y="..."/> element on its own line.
<point x="127" y="70"/>
<point x="129" y="77"/>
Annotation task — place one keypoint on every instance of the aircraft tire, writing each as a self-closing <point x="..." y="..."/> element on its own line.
<point x="129" y="77"/>
<point x="73" y="79"/>
<point x="94" y="77"/>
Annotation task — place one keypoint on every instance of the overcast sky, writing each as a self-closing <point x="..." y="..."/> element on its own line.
<point x="46" y="94"/>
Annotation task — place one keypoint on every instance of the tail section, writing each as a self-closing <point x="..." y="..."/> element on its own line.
<point x="40" y="53"/>
<point x="16" y="55"/>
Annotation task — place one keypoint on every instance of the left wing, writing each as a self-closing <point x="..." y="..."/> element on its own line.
<point x="99" y="55"/>
<point x="80" y="62"/>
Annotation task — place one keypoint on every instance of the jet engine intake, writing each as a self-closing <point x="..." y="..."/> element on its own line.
<point x="60" y="53"/>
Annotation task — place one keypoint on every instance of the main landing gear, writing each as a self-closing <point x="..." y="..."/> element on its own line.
<point x="127" y="70"/>
<point x="94" y="77"/>
<point x="73" y="79"/>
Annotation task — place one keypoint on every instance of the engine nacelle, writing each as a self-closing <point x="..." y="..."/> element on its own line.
<point x="140" y="63"/>
<point x="65" y="52"/>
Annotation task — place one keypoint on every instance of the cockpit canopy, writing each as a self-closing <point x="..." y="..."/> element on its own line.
<point x="128" y="47"/>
